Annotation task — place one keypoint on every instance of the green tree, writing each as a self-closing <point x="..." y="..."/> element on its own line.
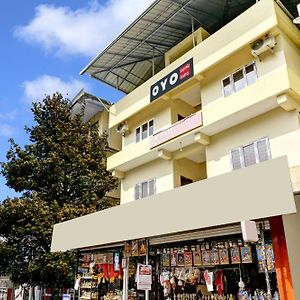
<point x="61" y="174"/>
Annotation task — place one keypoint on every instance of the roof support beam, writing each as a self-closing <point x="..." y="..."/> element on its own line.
<point x="127" y="64"/>
<point x="155" y="31"/>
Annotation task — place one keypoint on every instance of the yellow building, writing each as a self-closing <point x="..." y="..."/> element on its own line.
<point x="208" y="136"/>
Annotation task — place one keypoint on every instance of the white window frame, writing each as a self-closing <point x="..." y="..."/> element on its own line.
<point x="139" y="186"/>
<point x="141" y="131"/>
<point x="230" y="76"/>
<point x="241" y="153"/>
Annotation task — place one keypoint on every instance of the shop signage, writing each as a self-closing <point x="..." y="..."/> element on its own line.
<point x="172" y="80"/>
<point x="144" y="277"/>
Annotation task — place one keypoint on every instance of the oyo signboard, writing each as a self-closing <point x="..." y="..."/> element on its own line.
<point x="172" y="80"/>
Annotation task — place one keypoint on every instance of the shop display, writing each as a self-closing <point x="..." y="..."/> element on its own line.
<point x="209" y="269"/>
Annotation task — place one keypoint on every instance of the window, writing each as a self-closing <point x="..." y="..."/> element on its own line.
<point x="144" y="131"/>
<point x="250" y="154"/>
<point x="239" y="79"/>
<point x="145" y="189"/>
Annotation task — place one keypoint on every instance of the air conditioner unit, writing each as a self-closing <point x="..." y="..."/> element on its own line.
<point x="122" y="129"/>
<point x="262" y="45"/>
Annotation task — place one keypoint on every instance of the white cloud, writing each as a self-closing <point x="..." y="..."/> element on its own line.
<point x="6" y="130"/>
<point x="47" y="85"/>
<point x="84" y="31"/>
<point x="9" y="116"/>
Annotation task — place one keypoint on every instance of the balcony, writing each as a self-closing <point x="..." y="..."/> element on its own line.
<point x="182" y="134"/>
<point x="189" y="123"/>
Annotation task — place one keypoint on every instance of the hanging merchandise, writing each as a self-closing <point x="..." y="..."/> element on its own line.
<point x="206" y="258"/>
<point x="224" y="256"/>
<point x="214" y="257"/>
<point x="197" y="258"/>
<point x="188" y="259"/>
<point x="235" y="255"/>
<point x="166" y="260"/>
<point x="173" y="259"/>
<point x="142" y="247"/>
<point x="127" y="249"/>
<point x="135" y="248"/>
<point x="246" y="255"/>
<point x="180" y="259"/>
<point x="219" y="282"/>
<point x="208" y="276"/>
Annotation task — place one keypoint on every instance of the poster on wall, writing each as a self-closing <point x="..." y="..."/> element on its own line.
<point x="206" y="258"/>
<point x="246" y="255"/>
<point x="270" y="258"/>
<point x="116" y="261"/>
<point x="235" y="255"/>
<point x="197" y="258"/>
<point x="224" y="256"/>
<point x="142" y="247"/>
<point x="173" y="259"/>
<point x="166" y="260"/>
<point x="144" y="277"/>
<point x="188" y="259"/>
<point x="135" y="248"/>
<point x="214" y="257"/>
<point x="127" y="249"/>
<point x="180" y="259"/>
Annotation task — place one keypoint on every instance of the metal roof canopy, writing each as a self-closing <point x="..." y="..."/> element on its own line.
<point x="128" y="61"/>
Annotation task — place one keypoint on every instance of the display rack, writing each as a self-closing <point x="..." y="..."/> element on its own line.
<point x="88" y="288"/>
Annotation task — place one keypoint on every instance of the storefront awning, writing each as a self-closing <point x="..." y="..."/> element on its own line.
<point x="255" y="192"/>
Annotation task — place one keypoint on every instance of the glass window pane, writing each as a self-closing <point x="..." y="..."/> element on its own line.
<point x="262" y="149"/>
<point x="251" y="75"/>
<point x="137" y="192"/>
<point x="144" y="131"/>
<point x="249" y="155"/>
<point x="152" y="187"/>
<point x="236" y="159"/>
<point x="227" y="87"/>
<point x="239" y="80"/>
<point x="137" y="135"/>
<point x="151" y="127"/>
<point x="144" y="189"/>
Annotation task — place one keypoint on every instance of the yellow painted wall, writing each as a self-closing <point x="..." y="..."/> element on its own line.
<point x="280" y="126"/>
<point x="189" y="169"/>
<point x="180" y="107"/>
<point x="161" y="170"/>
<point x="162" y="118"/>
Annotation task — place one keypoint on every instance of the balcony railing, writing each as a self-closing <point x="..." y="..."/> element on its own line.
<point x="191" y="122"/>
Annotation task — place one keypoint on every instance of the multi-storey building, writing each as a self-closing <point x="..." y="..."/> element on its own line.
<point x="95" y="112"/>
<point x="208" y="136"/>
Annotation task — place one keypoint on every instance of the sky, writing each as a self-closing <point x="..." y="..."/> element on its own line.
<point x="43" y="46"/>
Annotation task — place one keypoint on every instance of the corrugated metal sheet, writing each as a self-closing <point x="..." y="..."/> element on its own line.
<point x="127" y="62"/>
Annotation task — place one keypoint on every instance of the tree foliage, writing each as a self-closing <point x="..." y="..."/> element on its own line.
<point x="61" y="174"/>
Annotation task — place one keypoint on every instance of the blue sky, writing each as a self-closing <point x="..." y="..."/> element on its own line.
<point x="44" y="45"/>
